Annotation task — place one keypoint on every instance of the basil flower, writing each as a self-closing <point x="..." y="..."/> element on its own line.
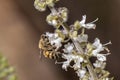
<point x="41" y="5"/>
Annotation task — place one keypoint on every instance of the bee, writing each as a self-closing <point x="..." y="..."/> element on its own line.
<point x="46" y="48"/>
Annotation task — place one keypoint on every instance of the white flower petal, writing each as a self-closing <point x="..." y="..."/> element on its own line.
<point x="54" y="39"/>
<point x="76" y="66"/>
<point x="83" y="19"/>
<point x="101" y="57"/>
<point x="69" y="58"/>
<point x="57" y="42"/>
<point x="89" y="25"/>
<point x="72" y="57"/>
<point x="81" y="72"/>
<point x="77" y="61"/>
<point x="65" y="65"/>
<point x="54" y="22"/>
<point x="98" y="47"/>
<point x="99" y="64"/>
<point x="68" y="48"/>
<point x="82" y="38"/>
<point x="49" y="34"/>
<point x="97" y="42"/>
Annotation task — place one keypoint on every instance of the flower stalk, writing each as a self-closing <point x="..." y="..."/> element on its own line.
<point x="73" y="45"/>
<point x="78" y="47"/>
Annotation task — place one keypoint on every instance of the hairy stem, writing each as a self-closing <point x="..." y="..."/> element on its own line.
<point x="89" y="65"/>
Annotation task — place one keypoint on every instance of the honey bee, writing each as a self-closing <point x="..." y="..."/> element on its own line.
<point x="46" y="48"/>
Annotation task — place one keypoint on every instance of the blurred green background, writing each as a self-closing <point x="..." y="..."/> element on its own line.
<point x="21" y="26"/>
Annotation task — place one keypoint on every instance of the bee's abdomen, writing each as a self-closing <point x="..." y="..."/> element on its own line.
<point x="49" y="54"/>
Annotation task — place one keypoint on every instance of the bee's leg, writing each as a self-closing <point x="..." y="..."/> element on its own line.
<point x="50" y="48"/>
<point x="41" y="52"/>
<point x="56" y="62"/>
<point x="57" y="54"/>
<point x="54" y="56"/>
<point x="56" y="48"/>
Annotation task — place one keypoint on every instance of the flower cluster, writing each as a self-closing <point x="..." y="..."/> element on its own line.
<point x="70" y="52"/>
<point x="72" y="44"/>
<point x="54" y="39"/>
<point x="6" y="72"/>
<point x="90" y="50"/>
<point x="82" y="24"/>
<point x="57" y="17"/>
<point x="42" y="4"/>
